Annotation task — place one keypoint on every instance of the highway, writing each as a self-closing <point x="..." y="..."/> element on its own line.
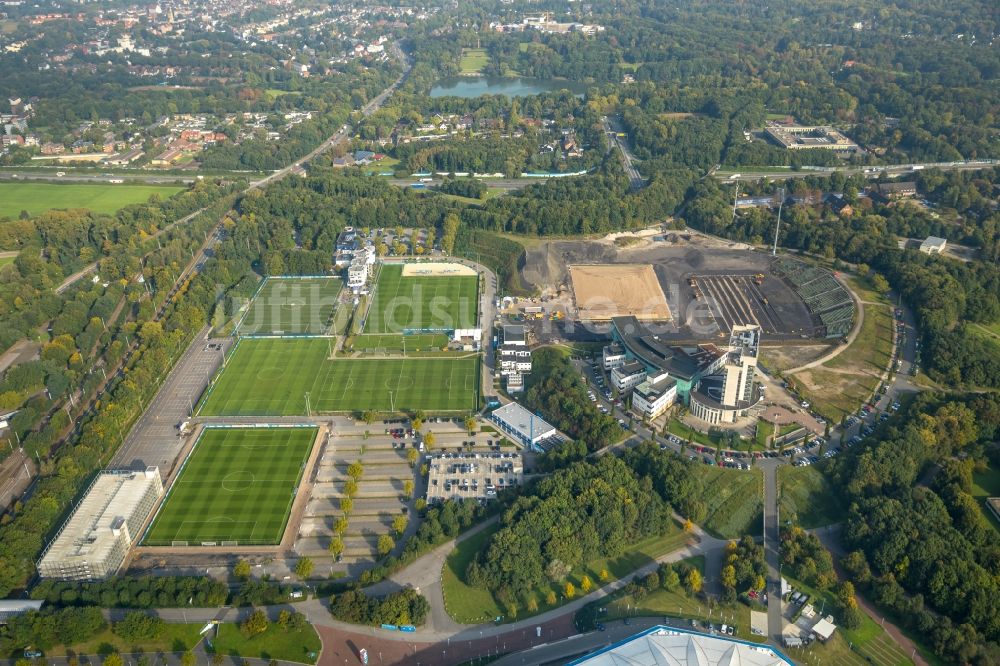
<point x="149" y="179"/>
<point x="612" y="128"/>
<point x="776" y="173"/>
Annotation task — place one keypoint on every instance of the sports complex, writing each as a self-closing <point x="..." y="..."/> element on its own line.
<point x="253" y="467"/>
<point x="286" y="361"/>
<point x="416" y="298"/>
<point x="236" y="487"/>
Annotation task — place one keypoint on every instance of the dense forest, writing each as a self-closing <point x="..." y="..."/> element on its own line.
<point x="557" y="391"/>
<point x="592" y="509"/>
<point x="921" y="544"/>
<point x="586" y="511"/>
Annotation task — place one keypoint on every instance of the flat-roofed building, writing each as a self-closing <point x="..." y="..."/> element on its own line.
<point x="614" y="356"/>
<point x="515" y="335"/>
<point x="933" y="245"/>
<point x="652" y="398"/>
<point x="515" y="382"/>
<point x="685" y="364"/>
<point x="514" y="359"/>
<point x="627" y="376"/>
<point x="523" y="425"/>
<point x="13" y="607"/>
<point x="361" y="268"/>
<point x="729" y="394"/>
<point x="801" y="137"/>
<point x="96" y="538"/>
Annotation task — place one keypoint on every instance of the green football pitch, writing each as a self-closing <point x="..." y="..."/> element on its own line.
<point x="292" y="305"/>
<point x="237" y="484"/>
<point x="398" y="343"/>
<point x="99" y="197"/>
<point x="271" y="377"/>
<point x="421" y="302"/>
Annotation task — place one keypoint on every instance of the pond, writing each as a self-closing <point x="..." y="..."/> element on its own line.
<point x="474" y="86"/>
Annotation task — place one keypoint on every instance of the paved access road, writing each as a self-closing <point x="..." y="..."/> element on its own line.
<point x="155" y="438"/>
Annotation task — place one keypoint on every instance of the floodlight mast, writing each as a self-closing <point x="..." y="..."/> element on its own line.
<point x="774" y="250"/>
<point x="736" y="197"/>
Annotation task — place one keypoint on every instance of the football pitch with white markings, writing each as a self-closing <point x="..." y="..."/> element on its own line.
<point x="237" y="485"/>
<point x="292" y="305"/>
<point x="272" y="377"/>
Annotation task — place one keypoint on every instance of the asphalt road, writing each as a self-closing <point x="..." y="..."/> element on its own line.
<point x="151" y="179"/>
<point x="612" y="127"/>
<point x="772" y="555"/>
<point x="873" y="172"/>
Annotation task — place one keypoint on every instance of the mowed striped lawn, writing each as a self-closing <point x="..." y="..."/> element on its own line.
<point x="422" y="302"/>
<point x="270" y="377"/>
<point x="237" y="484"/>
<point x="292" y="305"/>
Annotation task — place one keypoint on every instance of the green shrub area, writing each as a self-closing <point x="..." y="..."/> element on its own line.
<point x="502" y="255"/>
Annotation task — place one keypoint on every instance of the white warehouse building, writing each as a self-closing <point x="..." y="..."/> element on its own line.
<point x="97" y="537"/>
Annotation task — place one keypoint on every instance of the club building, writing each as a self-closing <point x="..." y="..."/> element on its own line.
<point x="529" y="430"/>
<point x="669" y="645"/>
<point x="96" y="538"/>
<point x="716" y="384"/>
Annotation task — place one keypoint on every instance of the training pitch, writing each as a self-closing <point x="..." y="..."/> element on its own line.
<point x="237" y="484"/>
<point x="292" y="306"/>
<point x="421" y="302"/>
<point x="400" y="343"/>
<point x="99" y="197"/>
<point x="271" y="377"/>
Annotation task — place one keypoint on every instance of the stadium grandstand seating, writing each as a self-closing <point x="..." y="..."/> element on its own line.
<point x="827" y="300"/>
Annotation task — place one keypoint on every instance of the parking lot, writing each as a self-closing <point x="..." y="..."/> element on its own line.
<point x="379" y="497"/>
<point x="472" y="474"/>
<point x="155" y="438"/>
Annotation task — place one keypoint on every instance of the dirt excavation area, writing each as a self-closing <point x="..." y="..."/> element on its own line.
<point x="603" y="291"/>
<point x="706" y="284"/>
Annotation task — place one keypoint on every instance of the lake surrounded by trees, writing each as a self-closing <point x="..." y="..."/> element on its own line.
<point x="475" y="86"/>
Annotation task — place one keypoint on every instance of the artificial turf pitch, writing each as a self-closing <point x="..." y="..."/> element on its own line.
<point x="292" y="305"/>
<point x="270" y="377"/>
<point x="237" y="484"/>
<point x="420" y="302"/>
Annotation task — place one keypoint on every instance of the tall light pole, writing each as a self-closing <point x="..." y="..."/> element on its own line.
<point x="781" y="202"/>
<point x="736" y="197"/>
